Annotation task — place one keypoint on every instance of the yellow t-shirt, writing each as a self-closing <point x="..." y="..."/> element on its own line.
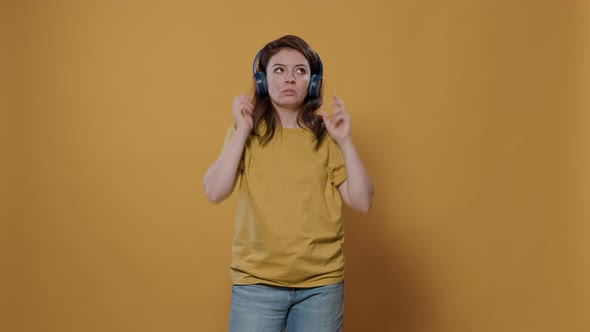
<point x="288" y="227"/>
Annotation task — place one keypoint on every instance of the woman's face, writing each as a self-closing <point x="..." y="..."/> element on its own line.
<point x="287" y="77"/>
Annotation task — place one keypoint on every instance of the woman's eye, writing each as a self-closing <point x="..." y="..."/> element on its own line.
<point x="301" y="70"/>
<point x="278" y="70"/>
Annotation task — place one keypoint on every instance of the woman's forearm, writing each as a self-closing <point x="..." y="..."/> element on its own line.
<point x="359" y="185"/>
<point x="221" y="177"/>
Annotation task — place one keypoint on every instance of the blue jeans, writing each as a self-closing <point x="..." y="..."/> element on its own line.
<point x="264" y="308"/>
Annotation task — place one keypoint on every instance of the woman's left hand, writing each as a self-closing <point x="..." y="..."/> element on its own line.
<point x="339" y="125"/>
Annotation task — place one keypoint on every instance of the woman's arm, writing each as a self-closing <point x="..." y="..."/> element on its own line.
<point x="221" y="177"/>
<point x="357" y="190"/>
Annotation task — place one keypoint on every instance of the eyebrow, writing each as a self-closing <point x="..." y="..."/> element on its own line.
<point x="280" y="64"/>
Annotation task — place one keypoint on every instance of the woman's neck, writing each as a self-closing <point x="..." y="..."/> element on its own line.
<point x="288" y="117"/>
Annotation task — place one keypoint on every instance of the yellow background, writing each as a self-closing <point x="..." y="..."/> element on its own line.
<point x="472" y="118"/>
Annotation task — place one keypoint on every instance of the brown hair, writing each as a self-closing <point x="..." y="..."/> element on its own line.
<point x="264" y="110"/>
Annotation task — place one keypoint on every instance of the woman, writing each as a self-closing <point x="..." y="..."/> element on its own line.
<point x="295" y="167"/>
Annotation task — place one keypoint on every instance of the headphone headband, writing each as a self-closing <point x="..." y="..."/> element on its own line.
<point x="255" y="61"/>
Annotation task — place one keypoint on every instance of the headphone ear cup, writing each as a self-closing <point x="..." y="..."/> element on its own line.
<point x="314" y="85"/>
<point x="260" y="82"/>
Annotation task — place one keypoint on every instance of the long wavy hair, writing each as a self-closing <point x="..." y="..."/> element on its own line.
<point x="264" y="111"/>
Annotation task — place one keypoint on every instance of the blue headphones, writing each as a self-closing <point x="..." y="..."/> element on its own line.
<point x="260" y="79"/>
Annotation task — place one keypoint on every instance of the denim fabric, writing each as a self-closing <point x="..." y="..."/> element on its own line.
<point x="264" y="308"/>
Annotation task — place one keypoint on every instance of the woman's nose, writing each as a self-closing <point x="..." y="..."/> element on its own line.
<point x="290" y="78"/>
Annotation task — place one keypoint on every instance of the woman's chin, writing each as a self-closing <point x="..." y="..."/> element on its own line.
<point x="287" y="104"/>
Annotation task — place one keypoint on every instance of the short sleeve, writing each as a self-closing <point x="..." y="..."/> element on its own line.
<point x="336" y="166"/>
<point x="230" y="133"/>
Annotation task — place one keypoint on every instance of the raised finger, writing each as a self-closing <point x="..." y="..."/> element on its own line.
<point x="338" y="104"/>
<point x="247" y="111"/>
<point x="339" y="110"/>
<point x="247" y="105"/>
<point x="338" y="118"/>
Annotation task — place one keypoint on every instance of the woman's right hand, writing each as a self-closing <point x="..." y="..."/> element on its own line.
<point x="242" y="112"/>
